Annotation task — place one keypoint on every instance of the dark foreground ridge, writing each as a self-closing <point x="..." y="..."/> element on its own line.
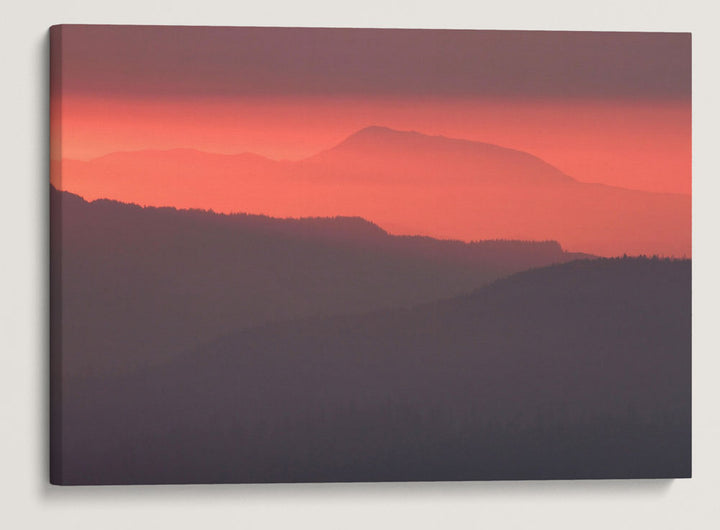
<point x="136" y="286"/>
<point x="579" y="370"/>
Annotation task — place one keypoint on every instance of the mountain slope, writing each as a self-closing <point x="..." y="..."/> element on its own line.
<point x="575" y="370"/>
<point x="408" y="183"/>
<point x="137" y="286"/>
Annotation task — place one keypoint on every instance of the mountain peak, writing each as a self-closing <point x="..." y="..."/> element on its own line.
<point x="381" y="132"/>
<point x="380" y="129"/>
<point x="418" y="144"/>
<point x="395" y="155"/>
<point x="380" y="137"/>
<point x="373" y="129"/>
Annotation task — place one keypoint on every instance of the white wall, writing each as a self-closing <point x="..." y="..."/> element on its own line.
<point x="26" y="501"/>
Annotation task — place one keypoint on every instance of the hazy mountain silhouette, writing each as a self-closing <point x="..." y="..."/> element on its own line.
<point x="412" y="157"/>
<point x="136" y="286"/>
<point x="406" y="182"/>
<point x="579" y="370"/>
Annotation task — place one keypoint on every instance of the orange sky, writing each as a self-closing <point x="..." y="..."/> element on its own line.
<point x="602" y="107"/>
<point x="635" y="144"/>
<point x="609" y="107"/>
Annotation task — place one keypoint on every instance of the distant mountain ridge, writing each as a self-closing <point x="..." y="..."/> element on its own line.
<point x="187" y="154"/>
<point x="406" y="182"/>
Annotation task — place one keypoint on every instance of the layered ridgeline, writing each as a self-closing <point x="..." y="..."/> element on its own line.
<point x="574" y="370"/>
<point x="407" y="183"/>
<point x="135" y="286"/>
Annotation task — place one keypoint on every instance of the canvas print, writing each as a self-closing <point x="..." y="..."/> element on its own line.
<point x="332" y="255"/>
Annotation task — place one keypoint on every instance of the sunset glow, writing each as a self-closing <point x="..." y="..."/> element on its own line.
<point x="300" y="93"/>
<point x="635" y="145"/>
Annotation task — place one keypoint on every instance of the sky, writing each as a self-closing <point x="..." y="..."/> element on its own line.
<point x="603" y="107"/>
